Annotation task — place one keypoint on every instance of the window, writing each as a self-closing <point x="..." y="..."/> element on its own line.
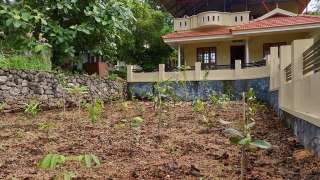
<point x="203" y="19"/>
<point x="208" y="18"/>
<point x="267" y="46"/>
<point x="241" y="18"/>
<point x="236" y="19"/>
<point x="207" y="55"/>
<point x="185" y="23"/>
<point x="213" y="18"/>
<point x="218" y="18"/>
<point x="180" y="24"/>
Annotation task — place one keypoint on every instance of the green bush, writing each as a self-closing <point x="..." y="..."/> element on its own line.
<point x="34" y="62"/>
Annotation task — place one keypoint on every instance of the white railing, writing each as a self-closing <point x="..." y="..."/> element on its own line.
<point x="211" y="18"/>
<point x="198" y="74"/>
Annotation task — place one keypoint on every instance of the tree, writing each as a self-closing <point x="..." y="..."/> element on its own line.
<point x="70" y="27"/>
<point x="145" y="46"/>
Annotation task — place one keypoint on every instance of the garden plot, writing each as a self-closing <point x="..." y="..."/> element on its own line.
<point x="130" y="142"/>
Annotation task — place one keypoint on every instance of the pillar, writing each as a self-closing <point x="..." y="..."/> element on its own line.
<point x="129" y="73"/>
<point x="247" y="51"/>
<point x="179" y="55"/>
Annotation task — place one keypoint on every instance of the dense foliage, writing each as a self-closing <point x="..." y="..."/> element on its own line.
<point x="145" y="46"/>
<point x="65" y="30"/>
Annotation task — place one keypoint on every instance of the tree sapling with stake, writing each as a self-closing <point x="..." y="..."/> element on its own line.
<point x="242" y="136"/>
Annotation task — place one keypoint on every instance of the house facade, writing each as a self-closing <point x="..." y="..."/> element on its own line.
<point x="217" y="33"/>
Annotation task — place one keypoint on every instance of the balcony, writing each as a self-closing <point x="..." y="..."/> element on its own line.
<point x="211" y="19"/>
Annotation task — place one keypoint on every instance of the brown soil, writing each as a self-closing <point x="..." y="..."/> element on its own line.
<point x="184" y="148"/>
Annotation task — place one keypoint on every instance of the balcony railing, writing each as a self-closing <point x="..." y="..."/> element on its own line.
<point x="211" y="18"/>
<point x="255" y="64"/>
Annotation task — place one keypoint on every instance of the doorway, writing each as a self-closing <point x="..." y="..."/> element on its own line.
<point x="237" y="53"/>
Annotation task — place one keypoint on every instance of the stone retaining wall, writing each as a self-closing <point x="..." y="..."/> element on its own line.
<point x="19" y="86"/>
<point x="201" y="89"/>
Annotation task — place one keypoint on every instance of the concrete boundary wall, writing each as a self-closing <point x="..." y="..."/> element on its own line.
<point x="199" y="75"/>
<point x="298" y="96"/>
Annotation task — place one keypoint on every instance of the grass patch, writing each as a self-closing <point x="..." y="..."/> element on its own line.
<point x="34" y="62"/>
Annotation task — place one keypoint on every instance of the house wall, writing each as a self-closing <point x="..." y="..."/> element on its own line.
<point x="223" y="47"/>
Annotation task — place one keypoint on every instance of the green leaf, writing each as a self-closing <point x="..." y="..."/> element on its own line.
<point x="136" y="122"/>
<point x="50" y="161"/>
<point x="245" y="141"/>
<point x="261" y="144"/>
<point x="9" y="22"/>
<point x="235" y="140"/>
<point x="89" y="160"/>
<point x="251" y="125"/>
<point x="17" y="24"/>
<point x="233" y="132"/>
<point x="68" y="175"/>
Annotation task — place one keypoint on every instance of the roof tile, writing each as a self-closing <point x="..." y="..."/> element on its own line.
<point x="272" y="22"/>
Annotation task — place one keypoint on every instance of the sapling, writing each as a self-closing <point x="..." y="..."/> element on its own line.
<point x="46" y="127"/>
<point x="135" y="102"/>
<point x="32" y="108"/>
<point x="63" y="83"/>
<point x="89" y="160"/>
<point x="160" y="91"/>
<point x="78" y="92"/>
<point x="242" y="136"/>
<point x="198" y="106"/>
<point x="95" y="110"/>
<point x="135" y="124"/>
<point x="51" y="161"/>
<point x="183" y="80"/>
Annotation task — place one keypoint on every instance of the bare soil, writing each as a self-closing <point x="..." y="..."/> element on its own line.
<point x="183" y="148"/>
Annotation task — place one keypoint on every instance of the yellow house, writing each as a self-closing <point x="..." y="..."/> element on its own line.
<point x="217" y="33"/>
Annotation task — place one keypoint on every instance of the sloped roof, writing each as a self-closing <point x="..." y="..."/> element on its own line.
<point x="195" y="33"/>
<point x="278" y="21"/>
<point x="269" y="23"/>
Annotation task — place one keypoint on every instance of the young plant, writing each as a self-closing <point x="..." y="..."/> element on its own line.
<point x="46" y="127"/>
<point x="183" y="80"/>
<point x="242" y="136"/>
<point x="89" y="160"/>
<point x="214" y="98"/>
<point x="160" y="92"/>
<point x="62" y="80"/>
<point x="51" y="161"/>
<point x="135" y="127"/>
<point x="78" y="92"/>
<point x="32" y="108"/>
<point x="198" y="106"/>
<point x="95" y="110"/>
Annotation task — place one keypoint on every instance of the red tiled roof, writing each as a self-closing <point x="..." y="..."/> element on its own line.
<point x="195" y="33"/>
<point x="278" y="21"/>
<point x="272" y="22"/>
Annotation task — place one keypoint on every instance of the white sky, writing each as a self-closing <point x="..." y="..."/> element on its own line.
<point x="312" y="5"/>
